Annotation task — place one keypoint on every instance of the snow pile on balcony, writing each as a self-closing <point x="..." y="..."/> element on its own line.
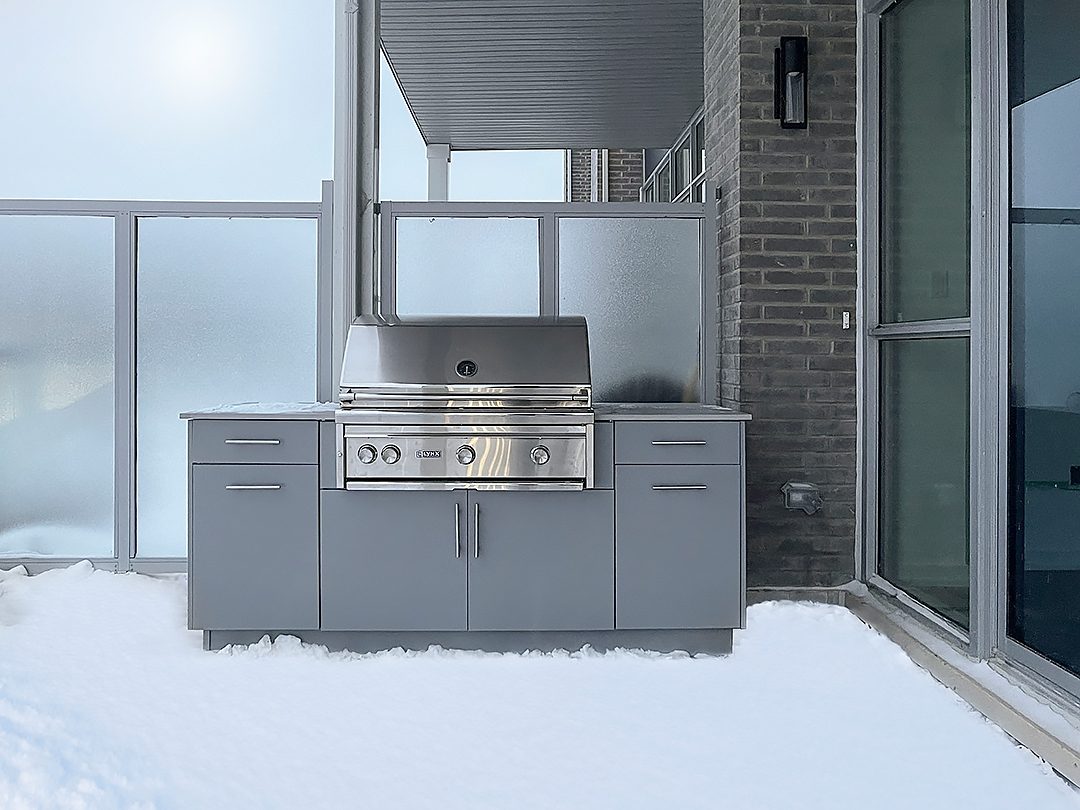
<point x="107" y="701"/>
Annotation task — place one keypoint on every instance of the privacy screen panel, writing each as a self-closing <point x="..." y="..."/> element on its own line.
<point x="57" y="377"/>
<point x="226" y="313"/>
<point x="637" y="281"/>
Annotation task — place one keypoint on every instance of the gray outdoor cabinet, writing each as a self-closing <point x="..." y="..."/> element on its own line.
<point x="254" y="546"/>
<point x="679" y="558"/>
<point x="393" y="560"/>
<point x="679" y="518"/>
<point x="416" y="560"/>
<point x="542" y="560"/>
<point x="652" y="557"/>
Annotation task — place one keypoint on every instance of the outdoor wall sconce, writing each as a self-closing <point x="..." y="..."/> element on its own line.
<point x="789" y="83"/>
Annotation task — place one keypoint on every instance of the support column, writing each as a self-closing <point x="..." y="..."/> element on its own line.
<point x="786" y="276"/>
<point x="438" y="171"/>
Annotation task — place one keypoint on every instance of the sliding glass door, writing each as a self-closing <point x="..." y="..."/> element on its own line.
<point x="1044" y="394"/>
<point x="920" y="334"/>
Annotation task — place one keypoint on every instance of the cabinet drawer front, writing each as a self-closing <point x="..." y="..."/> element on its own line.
<point x="254" y="441"/>
<point x="254" y="561"/>
<point x="678" y="547"/>
<point x="677" y="442"/>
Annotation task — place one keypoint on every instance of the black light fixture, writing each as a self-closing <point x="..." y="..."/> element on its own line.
<point x="789" y="83"/>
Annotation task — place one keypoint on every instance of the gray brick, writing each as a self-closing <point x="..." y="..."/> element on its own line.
<point x="786" y="227"/>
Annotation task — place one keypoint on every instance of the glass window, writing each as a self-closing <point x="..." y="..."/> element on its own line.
<point x="663" y="183"/>
<point x="204" y="99"/>
<point x="682" y="166"/>
<point x="925" y="146"/>
<point x="699" y="147"/>
<point x="1044" y="458"/>
<point x="637" y="282"/>
<point x="923" y="461"/>
<point x="57" y="377"/>
<point x="226" y="312"/>
<point x="448" y="266"/>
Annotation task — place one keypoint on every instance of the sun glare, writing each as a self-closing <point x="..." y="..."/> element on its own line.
<point x="199" y="59"/>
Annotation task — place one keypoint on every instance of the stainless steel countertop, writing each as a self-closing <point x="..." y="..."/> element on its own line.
<point x="321" y="411"/>
<point x="605" y="411"/>
<point x="657" y="411"/>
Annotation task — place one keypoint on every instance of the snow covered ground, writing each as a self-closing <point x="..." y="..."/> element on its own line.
<point x="107" y="701"/>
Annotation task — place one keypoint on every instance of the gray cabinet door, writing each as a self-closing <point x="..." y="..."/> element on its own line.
<point x="254" y="546"/>
<point x="541" y="560"/>
<point x="393" y="560"/>
<point x="678" y="547"/>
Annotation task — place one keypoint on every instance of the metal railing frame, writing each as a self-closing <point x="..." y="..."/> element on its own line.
<point x="548" y="216"/>
<point x="126" y="215"/>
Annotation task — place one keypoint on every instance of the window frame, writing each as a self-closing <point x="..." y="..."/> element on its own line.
<point x="986" y="326"/>
<point x="694" y="188"/>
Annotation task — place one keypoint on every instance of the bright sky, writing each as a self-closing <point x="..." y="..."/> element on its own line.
<point x="203" y="99"/>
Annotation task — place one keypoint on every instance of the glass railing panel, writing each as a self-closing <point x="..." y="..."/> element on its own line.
<point x="57" y="381"/>
<point x="226" y="312"/>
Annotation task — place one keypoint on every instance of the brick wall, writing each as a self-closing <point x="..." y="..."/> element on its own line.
<point x="580" y="175"/>
<point x="786" y="247"/>
<point x="625" y="175"/>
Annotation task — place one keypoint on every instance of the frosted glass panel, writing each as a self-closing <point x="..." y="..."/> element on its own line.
<point x="57" y="348"/>
<point x="638" y="284"/>
<point x="226" y="313"/>
<point x="468" y="266"/>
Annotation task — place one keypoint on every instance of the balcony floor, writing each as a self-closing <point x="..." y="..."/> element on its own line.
<point x="105" y="700"/>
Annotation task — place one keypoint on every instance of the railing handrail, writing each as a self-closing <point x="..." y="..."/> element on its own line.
<point x="455" y="208"/>
<point x="161" y="208"/>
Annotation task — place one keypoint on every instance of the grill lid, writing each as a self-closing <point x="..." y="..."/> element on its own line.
<point x="467" y="358"/>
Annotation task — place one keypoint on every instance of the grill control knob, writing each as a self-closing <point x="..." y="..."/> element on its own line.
<point x="540" y="454"/>
<point x="465" y="454"/>
<point x="390" y="454"/>
<point x="366" y="454"/>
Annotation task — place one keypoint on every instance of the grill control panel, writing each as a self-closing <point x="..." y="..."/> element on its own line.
<point x="494" y="455"/>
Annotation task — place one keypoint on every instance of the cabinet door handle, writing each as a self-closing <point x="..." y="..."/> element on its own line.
<point x="476" y="530"/>
<point x="676" y="443"/>
<point x="669" y="487"/>
<point x="253" y="441"/>
<point x="252" y="486"/>
<point x="457" y="530"/>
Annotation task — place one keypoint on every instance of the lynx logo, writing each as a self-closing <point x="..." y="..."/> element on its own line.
<point x="429" y="453"/>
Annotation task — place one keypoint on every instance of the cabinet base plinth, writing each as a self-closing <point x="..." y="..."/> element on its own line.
<point x="711" y="642"/>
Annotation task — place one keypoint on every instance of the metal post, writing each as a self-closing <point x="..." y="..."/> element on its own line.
<point x="124" y="260"/>
<point x="438" y="172"/>
<point x="329" y="329"/>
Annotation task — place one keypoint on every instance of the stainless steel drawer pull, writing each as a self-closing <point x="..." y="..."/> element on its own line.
<point x="253" y="486"/>
<point x="667" y="487"/>
<point x="476" y="528"/>
<point x="253" y="441"/>
<point x="457" y="530"/>
<point x="693" y="443"/>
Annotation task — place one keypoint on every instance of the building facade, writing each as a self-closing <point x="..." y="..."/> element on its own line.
<point x="604" y="175"/>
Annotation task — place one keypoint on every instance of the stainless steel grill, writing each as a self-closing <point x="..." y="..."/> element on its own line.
<point x="477" y="403"/>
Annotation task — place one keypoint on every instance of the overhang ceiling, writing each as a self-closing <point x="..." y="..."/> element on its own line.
<point x="529" y="74"/>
